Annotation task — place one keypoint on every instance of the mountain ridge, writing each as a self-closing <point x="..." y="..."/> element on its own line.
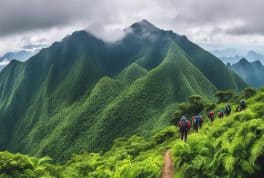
<point x="251" y="72"/>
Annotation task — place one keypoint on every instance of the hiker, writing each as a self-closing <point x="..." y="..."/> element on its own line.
<point x="197" y="122"/>
<point x="211" y="116"/>
<point x="228" y="110"/>
<point x="242" y="105"/>
<point x="184" y="126"/>
<point x="201" y="121"/>
<point x="221" y="114"/>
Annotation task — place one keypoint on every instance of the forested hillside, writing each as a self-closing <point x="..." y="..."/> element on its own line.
<point x="82" y="93"/>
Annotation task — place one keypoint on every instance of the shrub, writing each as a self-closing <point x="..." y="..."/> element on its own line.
<point x="248" y="92"/>
<point x="224" y="96"/>
<point x="165" y="134"/>
<point x="193" y="106"/>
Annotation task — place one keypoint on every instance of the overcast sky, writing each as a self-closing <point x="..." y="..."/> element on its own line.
<point x="214" y="24"/>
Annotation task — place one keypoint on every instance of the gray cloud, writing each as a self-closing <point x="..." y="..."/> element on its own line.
<point x="18" y="16"/>
<point x="105" y="17"/>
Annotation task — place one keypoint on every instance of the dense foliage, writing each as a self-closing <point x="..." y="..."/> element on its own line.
<point x="229" y="147"/>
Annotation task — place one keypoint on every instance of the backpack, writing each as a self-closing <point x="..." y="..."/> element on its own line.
<point x="211" y="114"/>
<point x="188" y="124"/>
<point x="228" y="109"/>
<point x="221" y="114"/>
<point x="197" y="120"/>
<point x="201" y="119"/>
<point x="243" y="103"/>
<point x="183" y="123"/>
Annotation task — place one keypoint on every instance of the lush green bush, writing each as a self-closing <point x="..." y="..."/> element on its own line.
<point x="248" y="92"/>
<point x="18" y="165"/>
<point x="165" y="134"/>
<point x="224" y="96"/>
<point x="193" y="106"/>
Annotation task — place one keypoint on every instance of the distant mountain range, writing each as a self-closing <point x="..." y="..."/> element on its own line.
<point x="251" y="72"/>
<point x="21" y="55"/>
<point x="254" y="56"/>
<point x="82" y="93"/>
<point x="231" y="56"/>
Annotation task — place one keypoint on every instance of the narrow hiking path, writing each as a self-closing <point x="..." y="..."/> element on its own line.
<point x="168" y="167"/>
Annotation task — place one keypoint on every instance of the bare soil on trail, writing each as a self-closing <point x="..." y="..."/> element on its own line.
<point x="168" y="167"/>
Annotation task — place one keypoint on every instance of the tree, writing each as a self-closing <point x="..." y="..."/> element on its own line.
<point x="248" y="92"/>
<point x="224" y="96"/>
<point x="193" y="106"/>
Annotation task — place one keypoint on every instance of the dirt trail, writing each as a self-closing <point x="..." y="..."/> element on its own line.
<point x="168" y="167"/>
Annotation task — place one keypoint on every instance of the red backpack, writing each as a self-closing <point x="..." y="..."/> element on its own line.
<point x="211" y="114"/>
<point x="184" y="124"/>
<point x="188" y="124"/>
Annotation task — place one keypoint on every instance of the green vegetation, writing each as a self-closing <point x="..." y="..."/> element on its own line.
<point x="224" y="96"/>
<point x="228" y="147"/>
<point x="193" y="106"/>
<point x="82" y="93"/>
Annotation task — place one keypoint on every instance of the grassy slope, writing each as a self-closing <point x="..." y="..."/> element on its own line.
<point x="230" y="147"/>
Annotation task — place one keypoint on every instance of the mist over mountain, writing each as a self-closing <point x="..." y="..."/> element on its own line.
<point x="21" y="55"/>
<point x="251" y="72"/>
<point x="254" y="56"/>
<point x="225" y="52"/>
<point x="82" y="93"/>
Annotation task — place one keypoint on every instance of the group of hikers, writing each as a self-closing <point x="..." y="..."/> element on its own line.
<point x="196" y="121"/>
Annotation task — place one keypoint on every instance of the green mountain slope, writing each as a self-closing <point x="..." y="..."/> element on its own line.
<point x="251" y="72"/>
<point x="82" y="93"/>
<point x="229" y="147"/>
<point x="210" y="66"/>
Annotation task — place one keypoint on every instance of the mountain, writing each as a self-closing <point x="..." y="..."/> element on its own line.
<point x="254" y="56"/>
<point x="251" y="72"/>
<point x="21" y="55"/>
<point x="227" y="57"/>
<point x="82" y="93"/>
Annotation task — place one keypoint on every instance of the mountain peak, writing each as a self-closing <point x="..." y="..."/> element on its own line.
<point x="257" y="62"/>
<point x="143" y="26"/>
<point x="145" y="22"/>
<point x="243" y="61"/>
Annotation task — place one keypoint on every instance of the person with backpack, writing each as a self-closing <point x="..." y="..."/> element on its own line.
<point x="228" y="110"/>
<point x="201" y="121"/>
<point x="184" y="126"/>
<point x="197" y="122"/>
<point x="242" y="105"/>
<point x="211" y="116"/>
<point x="221" y="114"/>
